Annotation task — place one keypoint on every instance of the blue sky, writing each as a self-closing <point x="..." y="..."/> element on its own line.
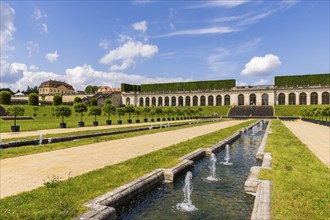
<point x="142" y="41"/>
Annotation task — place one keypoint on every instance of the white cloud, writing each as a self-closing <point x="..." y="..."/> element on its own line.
<point x="209" y="30"/>
<point x="37" y="14"/>
<point x="32" y="47"/>
<point x="219" y="3"/>
<point x="43" y="28"/>
<point x="104" y="44"/>
<point x="127" y="53"/>
<point x="261" y="82"/>
<point x="140" y="26"/>
<point x="33" y="67"/>
<point x="52" y="57"/>
<point x="261" y="66"/>
<point x="81" y="76"/>
<point x="7" y="28"/>
<point x="241" y="83"/>
<point x="17" y="67"/>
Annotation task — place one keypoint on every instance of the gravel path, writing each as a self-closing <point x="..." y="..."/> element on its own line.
<point x="7" y="135"/>
<point x="316" y="137"/>
<point x="25" y="173"/>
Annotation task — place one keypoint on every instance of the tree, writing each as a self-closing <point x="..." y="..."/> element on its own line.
<point x="62" y="111"/>
<point x="158" y="111"/>
<point x="129" y="109"/>
<point x="145" y="111"/>
<point x="138" y="112"/>
<point x="57" y="100"/>
<point x="93" y="102"/>
<point x="91" y="89"/>
<point x="120" y="112"/>
<point x="77" y="100"/>
<point x="15" y="111"/>
<point x="33" y="99"/>
<point x="109" y="109"/>
<point x="5" y="97"/>
<point x="30" y="90"/>
<point x="95" y="110"/>
<point x="152" y="112"/>
<point x="168" y="111"/>
<point x="80" y="108"/>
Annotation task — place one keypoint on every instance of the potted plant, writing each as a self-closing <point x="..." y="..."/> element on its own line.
<point x="120" y="112"/>
<point x="15" y="111"/>
<point x="80" y="108"/>
<point x="158" y="111"/>
<point x="168" y="111"/>
<point x="62" y="111"/>
<point x="152" y="113"/>
<point x="129" y="109"/>
<point x="146" y="111"/>
<point x="35" y="109"/>
<point x="95" y="110"/>
<point x="109" y="109"/>
<point x="138" y="112"/>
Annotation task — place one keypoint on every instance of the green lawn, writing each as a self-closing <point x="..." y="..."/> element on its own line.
<point x="301" y="186"/>
<point x="65" y="200"/>
<point x="45" y="120"/>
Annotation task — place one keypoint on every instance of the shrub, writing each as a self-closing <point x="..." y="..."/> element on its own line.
<point x="158" y="111"/>
<point x="95" y="110"/>
<point x="33" y="99"/>
<point x="5" y="97"/>
<point x="93" y="102"/>
<point x="15" y="111"/>
<point x="107" y="102"/>
<point x="129" y="109"/>
<point x="77" y="100"/>
<point x="62" y="111"/>
<point x="120" y="112"/>
<point x="138" y="111"/>
<point x="57" y="100"/>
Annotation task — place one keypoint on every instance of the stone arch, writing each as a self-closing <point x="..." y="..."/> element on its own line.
<point x="203" y="100"/>
<point x="240" y="99"/>
<point x="147" y="101"/>
<point x="292" y="98"/>
<point x="173" y="101"/>
<point x="167" y="101"/>
<point x="227" y="100"/>
<point x="253" y="99"/>
<point x="160" y="101"/>
<point x="180" y="102"/>
<point x="153" y="101"/>
<point x="302" y="99"/>
<point x="128" y="101"/>
<point x="314" y="98"/>
<point x="218" y="100"/>
<point x="140" y="101"/>
<point x="210" y="100"/>
<point x="195" y="101"/>
<point x="188" y="101"/>
<point x="325" y="98"/>
<point x="264" y="99"/>
<point x="281" y="99"/>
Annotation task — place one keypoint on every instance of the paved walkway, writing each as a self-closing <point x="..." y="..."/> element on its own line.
<point x="25" y="173"/>
<point x="316" y="137"/>
<point x="68" y="130"/>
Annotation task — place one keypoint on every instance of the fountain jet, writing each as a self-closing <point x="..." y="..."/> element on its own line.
<point x="187" y="205"/>
<point x="212" y="168"/>
<point x="227" y="157"/>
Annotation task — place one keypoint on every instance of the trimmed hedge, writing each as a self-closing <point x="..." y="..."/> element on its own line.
<point x="189" y="86"/>
<point x="33" y="99"/>
<point x="130" y="88"/>
<point x="303" y="80"/>
<point x="5" y="97"/>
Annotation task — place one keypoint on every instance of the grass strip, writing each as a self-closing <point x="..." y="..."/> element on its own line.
<point x="64" y="200"/>
<point x="34" y="149"/>
<point x="300" y="180"/>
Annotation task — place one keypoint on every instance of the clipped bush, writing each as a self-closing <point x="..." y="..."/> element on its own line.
<point x="77" y="100"/>
<point x="109" y="109"/>
<point x="80" y="108"/>
<point x="57" y="100"/>
<point x="95" y="110"/>
<point x="93" y="102"/>
<point x="5" y="97"/>
<point x="33" y="99"/>
<point x="62" y="111"/>
<point x="15" y="111"/>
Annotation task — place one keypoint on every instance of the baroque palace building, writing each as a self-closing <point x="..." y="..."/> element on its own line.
<point x="52" y="87"/>
<point x="288" y="90"/>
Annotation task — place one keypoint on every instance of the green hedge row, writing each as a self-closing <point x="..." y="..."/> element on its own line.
<point x="130" y="88"/>
<point x="187" y="86"/>
<point x="303" y="80"/>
